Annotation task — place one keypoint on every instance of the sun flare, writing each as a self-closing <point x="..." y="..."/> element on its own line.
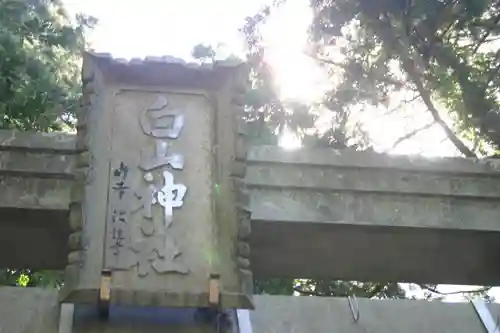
<point x="289" y="140"/>
<point x="296" y="74"/>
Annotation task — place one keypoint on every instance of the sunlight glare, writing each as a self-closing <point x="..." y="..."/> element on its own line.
<point x="296" y="75"/>
<point x="289" y="140"/>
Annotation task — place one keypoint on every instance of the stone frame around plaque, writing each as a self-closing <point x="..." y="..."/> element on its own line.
<point x="224" y="85"/>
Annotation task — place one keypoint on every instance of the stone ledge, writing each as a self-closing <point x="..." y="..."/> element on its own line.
<point x="357" y="159"/>
<point x="36" y="164"/>
<point x="57" y="142"/>
<point x="282" y="314"/>
<point x="34" y="193"/>
<point x="374" y="181"/>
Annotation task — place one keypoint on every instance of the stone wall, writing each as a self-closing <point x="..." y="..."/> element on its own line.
<point x="36" y="311"/>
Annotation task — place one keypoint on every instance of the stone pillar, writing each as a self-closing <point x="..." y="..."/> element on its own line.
<point x="159" y="205"/>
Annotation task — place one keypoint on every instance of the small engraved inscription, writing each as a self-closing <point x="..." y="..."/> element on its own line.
<point x="118" y="229"/>
<point x="120" y="174"/>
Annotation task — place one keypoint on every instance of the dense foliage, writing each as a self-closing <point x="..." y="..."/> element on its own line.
<point x="39" y="81"/>
<point x="446" y="51"/>
<point x="39" y="68"/>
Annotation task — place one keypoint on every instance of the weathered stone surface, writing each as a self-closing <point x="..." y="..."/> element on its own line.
<point x="35" y="310"/>
<point x="33" y="238"/>
<point x="32" y="310"/>
<point x="287" y="204"/>
<point x="34" y="193"/>
<point x="153" y="201"/>
<point x="282" y="314"/>
<point x="189" y="232"/>
<point x="55" y="142"/>
<point x="35" y="169"/>
<point x="129" y="322"/>
<point x="373" y="217"/>
<point x="355" y="159"/>
<point x="367" y="253"/>
<point x="36" y="164"/>
<point x="37" y="155"/>
<point x="163" y="71"/>
<point x="375" y="180"/>
<point x="35" y="176"/>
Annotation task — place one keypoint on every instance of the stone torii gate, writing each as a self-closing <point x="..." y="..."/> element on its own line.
<point x="161" y="201"/>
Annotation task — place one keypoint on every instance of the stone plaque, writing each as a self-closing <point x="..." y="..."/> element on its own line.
<point x="165" y="208"/>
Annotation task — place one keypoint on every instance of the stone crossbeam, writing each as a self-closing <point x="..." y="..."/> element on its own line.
<point x="35" y="177"/>
<point x="366" y="216"/>
<point x="35" y="310"/>
<point x="315" y="212"/>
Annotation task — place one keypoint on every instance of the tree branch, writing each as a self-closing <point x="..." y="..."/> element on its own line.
<point x="306" y="292"/>
<point x="495" y="71"/>
<point x="400" y="105"/>
<point x="434" y="290"/>
<point x="437" y="118"/>
<point x="328" y="61"/>
<point x="447" y="29"/>
<point x="421" y="151"/>
<point x="486" y="34"/>
<point x="378" y="288"/>
<point x="474" y="44"/>
<point x="386" y="33"/>
<point x="448" y="16"/>
<point x="473" y="90"/>
<point x="411" y="134"/>
<point x="346" y="67"/>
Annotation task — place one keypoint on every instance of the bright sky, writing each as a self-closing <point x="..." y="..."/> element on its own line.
<point x="130" y="29"/>
<point x="159" y="27"/>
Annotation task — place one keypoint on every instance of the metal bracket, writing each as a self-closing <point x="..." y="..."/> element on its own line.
<point x="104" y="294"/>
<point x="214" y="290"/>
<point x="484" y="314"/>
<point x="244" y="323"/>
<point x="354" y="307"/>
